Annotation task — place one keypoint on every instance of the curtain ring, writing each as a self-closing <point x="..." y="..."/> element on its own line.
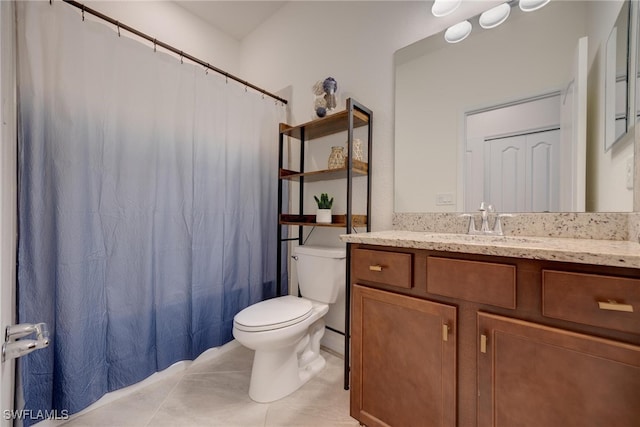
<point x="118" y="25"/>
<point x="82" y="13"/>
<point x="154" y="45"/>
<point x="181" y="57"/>
<point x="226" y="78"/>
<point x="206" y="69"/>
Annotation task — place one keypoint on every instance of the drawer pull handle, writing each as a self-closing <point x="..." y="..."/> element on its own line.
<point x="615" y="306"/>
<point x="483" y="343"/>
<point x="375" y="268"/>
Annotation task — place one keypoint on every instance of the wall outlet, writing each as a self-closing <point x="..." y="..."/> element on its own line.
<point x="444" y="199"/>
<point x="629" y="173"/>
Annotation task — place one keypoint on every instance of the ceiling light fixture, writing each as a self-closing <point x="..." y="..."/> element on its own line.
<point x="531" y="5"/>
<point x="458" y="32"/>
<point x="442" y="8"/>
<point x="494" y="16"/>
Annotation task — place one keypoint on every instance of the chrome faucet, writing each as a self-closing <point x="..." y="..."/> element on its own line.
<point x="485" y="210"/>
<point x="484" y="214"/>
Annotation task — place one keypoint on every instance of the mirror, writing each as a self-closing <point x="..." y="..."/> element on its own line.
<point x="439" y="86"/>
<point x="616" y="79"/>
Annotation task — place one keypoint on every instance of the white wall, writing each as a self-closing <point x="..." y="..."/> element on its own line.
<point x="170" y="23"/>
<point x="353" y="42"/>
<point x="606" y="171"/>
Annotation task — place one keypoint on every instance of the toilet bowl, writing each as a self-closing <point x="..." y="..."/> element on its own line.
<point x="285" y="332"/>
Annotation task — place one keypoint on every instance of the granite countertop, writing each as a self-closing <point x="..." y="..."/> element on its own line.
<point x="616" y="253"/>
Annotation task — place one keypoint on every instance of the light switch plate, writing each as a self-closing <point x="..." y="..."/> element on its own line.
<point x="444" y="199"/>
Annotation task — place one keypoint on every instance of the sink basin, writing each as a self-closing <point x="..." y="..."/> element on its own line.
<point x="481" y="238"/>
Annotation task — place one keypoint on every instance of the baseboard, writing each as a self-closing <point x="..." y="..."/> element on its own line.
<point x="333" y="341"/>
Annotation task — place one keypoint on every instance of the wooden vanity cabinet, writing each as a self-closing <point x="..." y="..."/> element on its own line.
<point x="528" y="342"/>
<point x="531" y="375"/>
<point x="403" y="360"/>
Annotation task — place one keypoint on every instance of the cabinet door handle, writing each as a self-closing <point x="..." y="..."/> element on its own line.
<point x="375" y="268"/>
<point x="483" y="343"/>
<point x="615" y="306"/>
<point x="445" y="332"/>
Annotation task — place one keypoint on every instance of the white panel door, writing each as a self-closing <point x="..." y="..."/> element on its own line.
<point x="543" y="170"/>
<point x="474" y="173"/>
<point x="505" y="174"/>
<point x="521" y="172"/>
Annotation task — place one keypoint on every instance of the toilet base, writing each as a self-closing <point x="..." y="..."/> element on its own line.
<point x="278" y="373"/>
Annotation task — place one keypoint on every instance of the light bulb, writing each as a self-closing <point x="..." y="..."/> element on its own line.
<point x="494" y="16"/>
<point x="442" y="8"/>
<point x="458" y="32"/>
<point x="531" y="5"/>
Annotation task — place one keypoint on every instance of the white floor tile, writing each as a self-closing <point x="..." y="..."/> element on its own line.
<point x="215" y="393"/>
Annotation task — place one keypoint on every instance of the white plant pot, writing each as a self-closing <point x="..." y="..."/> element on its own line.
<point x="323" y="216"/>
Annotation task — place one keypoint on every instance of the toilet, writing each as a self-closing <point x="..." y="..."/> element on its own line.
<point x="285" y="332"/>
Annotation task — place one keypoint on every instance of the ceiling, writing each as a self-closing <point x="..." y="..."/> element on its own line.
<point x="236" y="18"/>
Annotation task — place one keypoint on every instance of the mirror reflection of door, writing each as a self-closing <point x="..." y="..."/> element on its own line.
<point x="513" y="156"/>
<point x="522" y="172"/>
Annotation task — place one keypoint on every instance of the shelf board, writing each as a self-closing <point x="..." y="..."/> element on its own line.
<point x="359" y="169"/>
<point x="310" y="220"/>
<point x="334" y="123"/>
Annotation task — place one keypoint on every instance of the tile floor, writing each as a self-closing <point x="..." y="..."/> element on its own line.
<point x="215" y="393"/>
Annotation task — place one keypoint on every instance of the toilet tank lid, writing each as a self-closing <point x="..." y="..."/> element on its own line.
<point x="320" y="251"/>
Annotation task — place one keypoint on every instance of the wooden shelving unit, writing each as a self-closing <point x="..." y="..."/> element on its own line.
<point x="354" y="116"/>
<point x="359" y="168"/>
<point x="336" y="220"/>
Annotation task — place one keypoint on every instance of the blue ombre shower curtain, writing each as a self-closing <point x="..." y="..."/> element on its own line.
<point x="147" y="206"/>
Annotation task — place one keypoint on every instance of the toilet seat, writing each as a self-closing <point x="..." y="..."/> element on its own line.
<point x="273" y="314"/>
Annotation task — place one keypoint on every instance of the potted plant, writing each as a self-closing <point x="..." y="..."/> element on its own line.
<point x="323" y="215"/>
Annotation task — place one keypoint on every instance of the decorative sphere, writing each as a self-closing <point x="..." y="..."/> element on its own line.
<point x="321" y="111"/>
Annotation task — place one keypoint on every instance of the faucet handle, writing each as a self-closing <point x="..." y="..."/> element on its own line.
<point x="472" y="223"/>
<point x="497" y="225"/>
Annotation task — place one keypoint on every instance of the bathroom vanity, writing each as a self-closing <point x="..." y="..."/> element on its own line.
<point x="458" y="330"/>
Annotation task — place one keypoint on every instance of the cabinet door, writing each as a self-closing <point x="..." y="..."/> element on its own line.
<point x="403" y="364"/>
<point x="532" y="375"/>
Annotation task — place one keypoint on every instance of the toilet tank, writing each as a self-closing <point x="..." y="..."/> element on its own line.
<point x="321" y="272"/>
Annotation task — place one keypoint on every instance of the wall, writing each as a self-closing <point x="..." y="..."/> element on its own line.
<point x="606" y="171"/>
<point x="353" y="42"/>
<point x="170" y="23"/>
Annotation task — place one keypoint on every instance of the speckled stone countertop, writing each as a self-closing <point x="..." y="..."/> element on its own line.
<point x="617" y="253"/>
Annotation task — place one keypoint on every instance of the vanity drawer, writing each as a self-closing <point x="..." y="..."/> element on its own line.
<point x="389" y="268"/>
<point x="592" y="299"/>
<point x="475" y="281"/>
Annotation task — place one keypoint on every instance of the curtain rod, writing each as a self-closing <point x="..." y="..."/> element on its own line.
<point x="170" y="48"/>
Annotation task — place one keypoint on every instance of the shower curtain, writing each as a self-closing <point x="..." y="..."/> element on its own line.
<point x="147" y="206"/>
